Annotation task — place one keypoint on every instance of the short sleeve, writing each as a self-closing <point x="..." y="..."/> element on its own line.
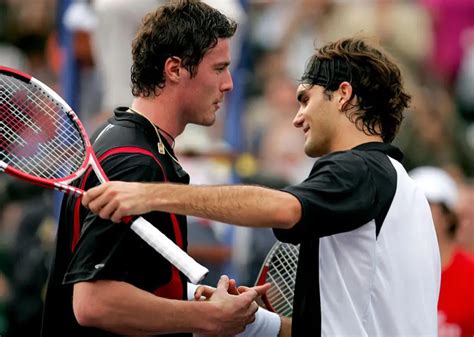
<point x="108" y="250"/>
<point x="338" y="196"/>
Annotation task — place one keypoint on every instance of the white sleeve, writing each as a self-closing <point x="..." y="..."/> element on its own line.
<point x="191" y="290"/>
<point x="266" y="324"/>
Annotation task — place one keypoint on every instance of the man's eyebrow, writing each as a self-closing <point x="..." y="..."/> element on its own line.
<point x="222" y="64"/>
<point x="300" y="94"/>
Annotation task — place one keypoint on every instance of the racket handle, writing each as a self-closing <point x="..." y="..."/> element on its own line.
<point x="169" y="250"/>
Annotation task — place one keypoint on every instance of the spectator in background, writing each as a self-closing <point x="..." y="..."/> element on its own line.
<point x="30" y="257"/>
<point x="81" y="20"/>
<point x="434" y="135"/>
<point x="465" y="84"/>
<point x="117" y="24"/>
<point x="270" y="133"/>
<point x="450" y="19"/>
<point x="456" y="299"/>
<point x="466" y="216"/>
<point x="207" y="162"/>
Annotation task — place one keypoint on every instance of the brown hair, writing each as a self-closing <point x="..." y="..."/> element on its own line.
<point x="186" y="29"/>
<point x="375" y="79"/>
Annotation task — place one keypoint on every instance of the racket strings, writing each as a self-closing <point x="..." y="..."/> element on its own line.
<point x="282" y="275"/>
<point x="37" y="136"/>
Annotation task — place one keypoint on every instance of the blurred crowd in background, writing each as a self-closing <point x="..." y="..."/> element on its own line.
<point x="82" y="49"/>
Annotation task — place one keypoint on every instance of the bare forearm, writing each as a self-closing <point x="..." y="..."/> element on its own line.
<point x="251" y="206"/>
<point x="123" y="309"/>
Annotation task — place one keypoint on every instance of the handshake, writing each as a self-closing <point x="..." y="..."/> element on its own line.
<point x="238" y="314"/>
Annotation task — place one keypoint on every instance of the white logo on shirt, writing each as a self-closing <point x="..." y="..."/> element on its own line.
<point x="99" y="266"/>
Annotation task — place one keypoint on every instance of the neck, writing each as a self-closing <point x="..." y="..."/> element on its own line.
<point x="349" y="140"/>
<point x="346" y="135"/>
<point x="162" y="113"/>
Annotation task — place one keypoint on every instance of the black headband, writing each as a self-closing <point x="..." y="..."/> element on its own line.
<point x="326" y="73"/>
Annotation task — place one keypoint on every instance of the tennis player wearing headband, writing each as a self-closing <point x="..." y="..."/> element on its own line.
<point x="369" y="262"/>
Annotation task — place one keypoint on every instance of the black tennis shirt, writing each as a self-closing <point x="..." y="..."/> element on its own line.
<point x="89" y="248"/>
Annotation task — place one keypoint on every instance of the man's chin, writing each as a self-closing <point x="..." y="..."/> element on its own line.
<point x="209" y="121"/>
<point x="311" y="152"/>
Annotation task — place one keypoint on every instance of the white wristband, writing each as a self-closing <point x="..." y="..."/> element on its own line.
<point x="266" y="324"/>
<point x="191" y="290"/>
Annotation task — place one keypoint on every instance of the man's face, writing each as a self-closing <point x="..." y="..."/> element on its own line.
<point x="204" y="93"/>
<point x="317" y="116"/>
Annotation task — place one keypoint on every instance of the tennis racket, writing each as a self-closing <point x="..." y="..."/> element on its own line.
<point x="42" y="141"/>
<point x="279" y="268"/>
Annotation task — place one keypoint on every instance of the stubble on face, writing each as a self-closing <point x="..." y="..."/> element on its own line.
<point x="317" y="122"/>
<point x="205" y="91"/>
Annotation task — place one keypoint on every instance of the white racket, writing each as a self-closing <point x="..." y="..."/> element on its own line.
<point x="279" y="268"/>
<point x="42" y="141"/>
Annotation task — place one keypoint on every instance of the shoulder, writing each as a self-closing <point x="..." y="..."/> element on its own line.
<point x="344" y="163"/>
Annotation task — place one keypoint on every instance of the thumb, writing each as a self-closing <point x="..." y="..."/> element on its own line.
<point x="249" y="296"/>
<point x="223" y="283"/>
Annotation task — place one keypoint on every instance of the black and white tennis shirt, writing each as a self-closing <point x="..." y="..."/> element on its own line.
<point x="369" y="262"/>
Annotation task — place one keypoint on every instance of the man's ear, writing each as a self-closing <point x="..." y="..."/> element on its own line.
<point x="172" y="69"/>
<point x="344" y="94"/>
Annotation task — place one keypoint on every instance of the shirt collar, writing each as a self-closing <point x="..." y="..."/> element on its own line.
<point x="390" y="150"/>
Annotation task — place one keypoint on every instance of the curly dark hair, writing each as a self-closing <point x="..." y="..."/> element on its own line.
<point x="186" y="29"/>
<point x="375" y="79"/>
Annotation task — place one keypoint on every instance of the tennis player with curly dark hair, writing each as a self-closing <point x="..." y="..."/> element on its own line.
<point x="104" y="280"/>
<point x="369" y="262"/>
<point x="187" y="33"/>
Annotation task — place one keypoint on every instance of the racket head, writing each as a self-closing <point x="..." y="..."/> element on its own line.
<point x="279" y="269"/>
<point x="41" y="139"/>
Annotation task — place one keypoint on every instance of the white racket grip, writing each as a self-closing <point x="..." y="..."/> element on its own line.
<point x="169" y="250"/>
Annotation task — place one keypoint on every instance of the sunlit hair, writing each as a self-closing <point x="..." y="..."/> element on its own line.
<point x="375" y="80"/>
<point x="187" y="29"/>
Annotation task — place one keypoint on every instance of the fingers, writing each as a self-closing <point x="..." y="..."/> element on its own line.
<point x="203" y="291"/>
<point x="233" y="290"/>
<point x="249" y="296"/>
<point x="261" y="290"/>
<point x="243" y="289"/>
<point x="223" y="284"/>
<point x="92" y="194"/>
<point x="101" y="200"/>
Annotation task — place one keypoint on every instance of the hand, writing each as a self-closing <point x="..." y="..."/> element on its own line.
<point x="204" y="292"/>
<point x="233" y="312"/>
<point x="115" y="200"/>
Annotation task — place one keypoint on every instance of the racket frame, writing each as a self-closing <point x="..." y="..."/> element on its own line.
<point x="264" y="270"/>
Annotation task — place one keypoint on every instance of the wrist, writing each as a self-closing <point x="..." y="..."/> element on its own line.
<point x="191" y="290"/>
<point x="203" y="317"/>
<point x="266" y="324"/>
